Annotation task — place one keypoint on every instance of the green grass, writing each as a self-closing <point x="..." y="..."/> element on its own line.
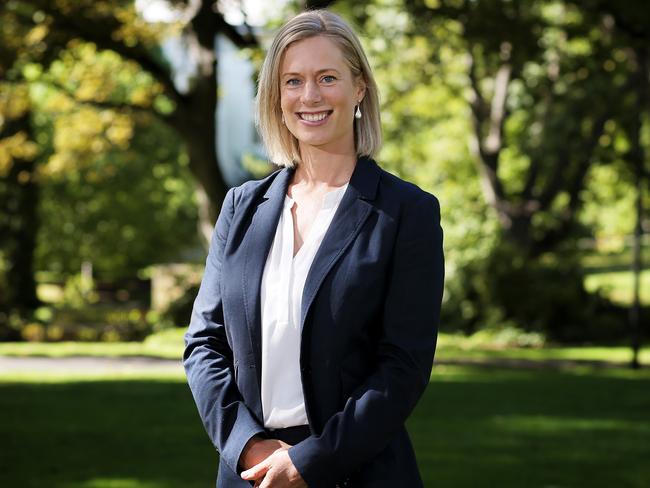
<point x="614" y="354"/>
<point x="169" y="344"/>
<point x="618" y="286"/>
<point x="473" y="427"/>
<point x="609" y="273"/>
<point x="534" y="429"/>
<point x="454" y="347"/>
<point x="165" y="344"/>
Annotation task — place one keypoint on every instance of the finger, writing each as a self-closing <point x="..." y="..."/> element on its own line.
<point x="267" y="482"/>
<point x="256" y="471"/>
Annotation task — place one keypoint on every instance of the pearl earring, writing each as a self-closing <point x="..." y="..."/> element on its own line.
<point x="357" y="113"/>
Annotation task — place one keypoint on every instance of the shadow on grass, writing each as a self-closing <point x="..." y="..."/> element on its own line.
<point x="119" y="434"/>
<point x="473" y="427"/>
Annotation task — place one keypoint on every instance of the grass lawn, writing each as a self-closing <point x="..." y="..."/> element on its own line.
<point x="474" y="427"/>
<point x="165" y="344"/>
<point x="169" y="344"/>
<point x="618" y="286"/>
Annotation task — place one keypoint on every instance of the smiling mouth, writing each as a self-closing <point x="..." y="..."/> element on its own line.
<point x="314" y="116"/>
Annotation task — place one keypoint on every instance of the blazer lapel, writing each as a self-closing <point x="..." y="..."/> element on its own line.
<point x="348" y="219"/>
<point x="258" y="244"/>
<point x="352" y="212"/>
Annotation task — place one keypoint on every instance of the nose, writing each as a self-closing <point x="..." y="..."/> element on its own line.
<point x="311" y="93"/>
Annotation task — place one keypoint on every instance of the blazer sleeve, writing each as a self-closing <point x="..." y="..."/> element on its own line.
<point x="380" y="406"/>
<point x="208" y="358"/>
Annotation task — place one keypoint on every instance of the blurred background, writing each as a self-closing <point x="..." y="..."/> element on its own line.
<point x="122" y="125"/>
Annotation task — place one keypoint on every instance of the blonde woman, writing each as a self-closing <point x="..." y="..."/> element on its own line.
<point x="313" y="334"/>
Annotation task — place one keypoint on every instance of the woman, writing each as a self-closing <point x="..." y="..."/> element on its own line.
<point x="313" y="333"/>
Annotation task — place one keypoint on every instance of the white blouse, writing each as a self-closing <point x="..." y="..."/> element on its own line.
<point x="283" y="280"/>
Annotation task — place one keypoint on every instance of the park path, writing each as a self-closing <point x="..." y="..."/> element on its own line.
<point x="145" y="364"/>
<point x="88" y="364"/>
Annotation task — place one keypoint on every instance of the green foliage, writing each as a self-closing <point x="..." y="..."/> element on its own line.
<point x="107" y="323"/>
<point x="81" y="147"/>
<point x="126" y="210"/>
<point x="116" y="189"/>
<point x="547" y="294"/>
<point x="505" y="266"/>
<point x="114" y="181"/>
<point x="180" y="310"/>
<point x="499" y="338"/>
<point x="79" y="292"/>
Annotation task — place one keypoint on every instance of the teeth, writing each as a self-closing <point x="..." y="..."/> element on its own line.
<point x="314" y="117"/>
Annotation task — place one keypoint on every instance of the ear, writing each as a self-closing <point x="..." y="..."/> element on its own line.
<point x="360" y="88"/>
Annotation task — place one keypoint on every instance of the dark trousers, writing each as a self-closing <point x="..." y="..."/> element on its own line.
<point x="290" y="435"/>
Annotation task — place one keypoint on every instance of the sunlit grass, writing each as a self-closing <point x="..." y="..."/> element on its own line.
<point x="613" y="354"/>
<point x="61" y="377"/>
<point x="168" y="344"/>
<point x="473" y="427"/>
<point x="165" y="344"/>
<point x="498" y="427"/>
<point x="618" y="286"/>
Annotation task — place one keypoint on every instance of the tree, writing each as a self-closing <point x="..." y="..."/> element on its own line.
<point x="18" y="191"/>
<point x="116" y="26"/>
<point x="34" y="37"/>
<point x="631" y="28"/>
<point x="539" y="81"/>
<point x="542" y="84"/>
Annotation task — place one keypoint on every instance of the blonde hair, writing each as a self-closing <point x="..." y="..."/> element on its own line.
<point x="281" y="145"/>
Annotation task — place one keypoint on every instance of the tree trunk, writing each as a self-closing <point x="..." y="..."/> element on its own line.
<point x="196" y="112"/>
<point x="19" y="230"/>
<point x="635" y="309"/>
<point x="637" y="156"/>
<point x="195" y="121"/>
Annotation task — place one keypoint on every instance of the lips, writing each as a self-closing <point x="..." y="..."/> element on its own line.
<point x="314" y="116"/>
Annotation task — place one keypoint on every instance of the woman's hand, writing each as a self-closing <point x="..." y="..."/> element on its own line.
<point x="258" y="449"/>
<point x="276" y="471"/>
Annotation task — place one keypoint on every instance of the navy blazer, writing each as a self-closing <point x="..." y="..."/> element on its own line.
<point x="370" y="312"/>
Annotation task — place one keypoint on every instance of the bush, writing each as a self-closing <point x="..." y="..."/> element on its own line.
<point x="543" y="295"/>
<point x="92" y="323"/>
<point x="179" y="311"/>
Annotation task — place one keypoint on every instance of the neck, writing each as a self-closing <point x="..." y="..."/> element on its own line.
<point x="320" y="167"/>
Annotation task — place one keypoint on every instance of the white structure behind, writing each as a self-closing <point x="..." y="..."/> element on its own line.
<point x="236" y="134"/>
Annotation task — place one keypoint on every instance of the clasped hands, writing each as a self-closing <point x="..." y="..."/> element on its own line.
<point x="267" y="462"/>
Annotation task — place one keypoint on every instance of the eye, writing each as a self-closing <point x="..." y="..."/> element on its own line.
<point x="328" y="79"/>
<point x="292" y="81"/>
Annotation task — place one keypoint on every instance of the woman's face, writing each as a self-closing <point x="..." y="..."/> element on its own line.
<point x="318" y="95"/>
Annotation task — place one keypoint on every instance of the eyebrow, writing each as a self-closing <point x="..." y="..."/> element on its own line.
<point x="317" y="72"/>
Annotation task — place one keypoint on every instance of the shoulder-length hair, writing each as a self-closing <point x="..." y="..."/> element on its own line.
<point x="281" y="145"/>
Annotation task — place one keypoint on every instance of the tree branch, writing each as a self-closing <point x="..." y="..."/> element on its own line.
<point x="487" y="151"/>
<point x="494" y="142"/>
<point x="535" y="163"/>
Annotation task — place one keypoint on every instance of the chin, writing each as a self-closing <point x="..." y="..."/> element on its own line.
<point x="311" y="140"/>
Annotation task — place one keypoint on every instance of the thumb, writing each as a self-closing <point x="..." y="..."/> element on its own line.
<point x="256" y="471"/>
